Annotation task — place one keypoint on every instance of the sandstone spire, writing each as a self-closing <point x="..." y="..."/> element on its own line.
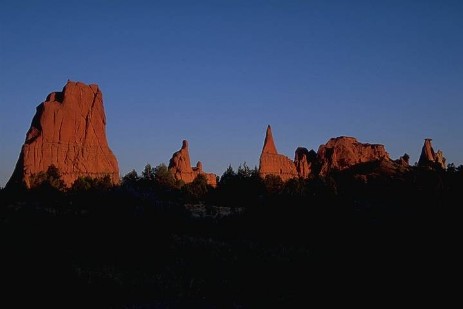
<point x="180" y="167"/>
<point x="428" y="156"/>
<point x="180" y="164"/>
<point x="269" y="144"/>
<point x="272" y="163"/>
<point x="427" y="152"/>
<point x="68" y="131"/>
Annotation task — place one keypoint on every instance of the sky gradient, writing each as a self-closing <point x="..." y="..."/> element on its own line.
<point x="218" y="72"/>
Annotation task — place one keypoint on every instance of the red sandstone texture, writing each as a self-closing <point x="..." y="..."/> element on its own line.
<point x="272" y="163"/>
<point x="337" y="154"/>
<point x="68" y="131"/>
<point x="180" y="167"/>
<point x="428" y="156"/>
<point x="344" y="152"/>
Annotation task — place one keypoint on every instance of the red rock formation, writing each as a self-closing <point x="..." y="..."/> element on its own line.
<point x="180" y="167"/>
<point x="440" y="160"/>
<point x="344" y="152"/>
<point x="404" y="160"/>
<point x="303" y="161"/>
<point x="269" y="144"/>
<point x="272" y="163"/>
<point x="68" y="131"/>
<point x="428" y="156"/>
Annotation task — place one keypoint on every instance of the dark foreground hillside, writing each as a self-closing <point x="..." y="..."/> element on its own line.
<point x="392" y="242"/>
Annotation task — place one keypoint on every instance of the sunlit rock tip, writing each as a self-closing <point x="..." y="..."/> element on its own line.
<point x="269" y="144"/>
<point x="180" y="167"/>
<point x="430" y="158"/>
<point x="68" y="131"/>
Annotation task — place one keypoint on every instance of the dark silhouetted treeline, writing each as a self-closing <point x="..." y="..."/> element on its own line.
<point x="355" y="237"/>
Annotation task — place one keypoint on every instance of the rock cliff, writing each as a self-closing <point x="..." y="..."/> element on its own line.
<point x="344" y="152"/>
<point x="68" y="131"/>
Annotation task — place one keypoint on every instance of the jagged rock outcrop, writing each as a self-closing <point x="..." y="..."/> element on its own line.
<point x="338" y="154"/>
<point x="272" y="163"/>
<point x="427" y="152"/>
<point x="180" y="167"/>
<point x="429" y="158"/>
<point x="404" y="160"/>
<point x="305" y="162"/>
<point x="344" y="152"/>
<point x="440" y="160"/>
<point x="68" y="131"/>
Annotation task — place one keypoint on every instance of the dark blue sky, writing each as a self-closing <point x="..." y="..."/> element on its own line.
<point x="217" y="72"/>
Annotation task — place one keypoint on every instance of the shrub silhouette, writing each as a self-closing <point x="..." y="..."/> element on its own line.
<point x="133" y="244"/>
<point x="86" y="183"/>
<point x="51" y="180"/>
<point x="164" y="179"/>
<point x="273" y="184"/>
<point x="241" y="188"/>
<point x="196" y="190"/>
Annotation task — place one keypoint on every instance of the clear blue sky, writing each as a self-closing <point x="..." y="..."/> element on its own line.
<point x="217" y="72"/>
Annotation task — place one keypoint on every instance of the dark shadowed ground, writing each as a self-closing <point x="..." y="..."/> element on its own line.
<point x="119" y="248"/>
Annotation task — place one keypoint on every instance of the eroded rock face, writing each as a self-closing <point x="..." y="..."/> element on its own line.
<point x="272" y="163"/>
<point x="305" y="162"/>
<point x="180" y="167"/>
<point x="68" y="131"/>
<point x="429" y="157"/>
<point x="344" y="152"/>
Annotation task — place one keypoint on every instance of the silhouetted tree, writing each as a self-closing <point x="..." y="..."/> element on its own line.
<point x="86" y="183"/>
<point x="163" y="178"/>
<point x="295" y="188"/>
<point x="244" y="171"/>
<point x="322" y="189"/>
<point x="130" y="179"/>
<point x="197" y="189"/>
<point x="273" y="184"/>
<point x="243" y="188"/>
<point x="49" y="179"/>
<point x="148" y="173"/>
<point x="83" y="184"/>
<point x="227" y="177"/>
